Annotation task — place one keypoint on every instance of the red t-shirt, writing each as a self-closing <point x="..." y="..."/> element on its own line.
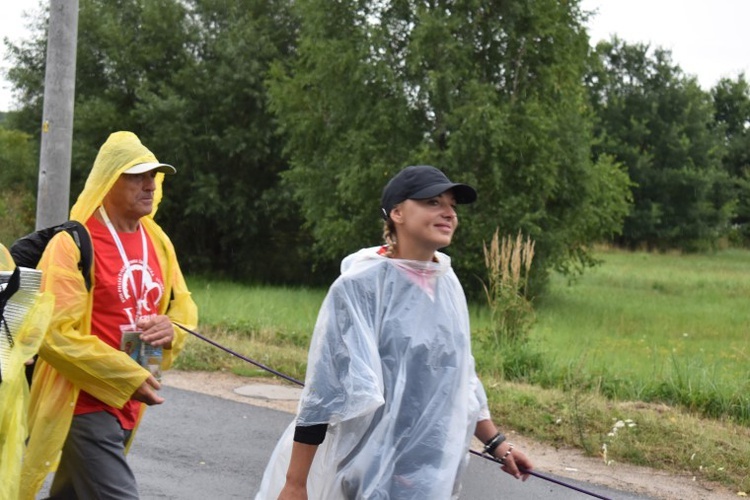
<point x="116" y="299"/>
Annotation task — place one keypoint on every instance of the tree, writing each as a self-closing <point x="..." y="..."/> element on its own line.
<point x="489" y="92"/>
<point x="659" y="124"/>
<point x="214" y="117"/>
<point x="188" y="78"/>
<point x="731" y="99"/>
<point x="17" y="184"/>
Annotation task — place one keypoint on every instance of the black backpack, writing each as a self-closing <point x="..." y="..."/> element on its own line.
<point x="27" y="250"/>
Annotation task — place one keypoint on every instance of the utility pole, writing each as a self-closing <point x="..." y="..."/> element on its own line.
<point x="53" y="193"/>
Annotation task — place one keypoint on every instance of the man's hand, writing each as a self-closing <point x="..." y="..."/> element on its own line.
<point x="146" y="393"/>
<point x="157" y="330"/>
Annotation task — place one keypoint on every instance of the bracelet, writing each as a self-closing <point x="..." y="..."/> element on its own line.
<point x="493" y="443"/>
<point x="506" y="454"/>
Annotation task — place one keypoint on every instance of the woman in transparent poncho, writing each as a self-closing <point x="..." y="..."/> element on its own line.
<point x="391" y="395"/>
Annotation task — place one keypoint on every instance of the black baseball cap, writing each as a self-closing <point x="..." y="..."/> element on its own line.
<point x="421" y="182"/>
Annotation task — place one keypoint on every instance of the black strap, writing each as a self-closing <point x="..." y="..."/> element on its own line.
<point x="82" y="240"/>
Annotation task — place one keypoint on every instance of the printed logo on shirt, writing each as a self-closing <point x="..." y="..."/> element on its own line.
<point x="149" y="288"/>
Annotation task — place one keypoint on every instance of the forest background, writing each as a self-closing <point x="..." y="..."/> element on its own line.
<point x="285" y="119"/>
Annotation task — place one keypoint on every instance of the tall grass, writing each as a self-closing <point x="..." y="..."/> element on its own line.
<point x="508" y="262"/>
<point x="502" y="342"/>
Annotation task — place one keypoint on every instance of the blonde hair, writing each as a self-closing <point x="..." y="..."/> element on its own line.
<point x="389" y="236"/>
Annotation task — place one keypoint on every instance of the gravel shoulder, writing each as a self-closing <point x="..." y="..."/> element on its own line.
<point x="569" y="463"/>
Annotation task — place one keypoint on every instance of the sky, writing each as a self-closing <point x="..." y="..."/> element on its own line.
<point x="708" y="39"/>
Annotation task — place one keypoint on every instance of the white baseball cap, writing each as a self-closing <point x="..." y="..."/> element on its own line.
<point x="148" y="167"/>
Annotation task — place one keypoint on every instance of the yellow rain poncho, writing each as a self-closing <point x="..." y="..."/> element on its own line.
<point x="108" y="374"/>
<point x="14" y="392"/>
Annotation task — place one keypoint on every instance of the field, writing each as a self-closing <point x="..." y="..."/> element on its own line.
<point x="656" y="327"/>
<point x="658" y="342"/>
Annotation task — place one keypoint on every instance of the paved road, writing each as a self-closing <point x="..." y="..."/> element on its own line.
<point x="202" y="447"/>
<point x="199" y="447"/>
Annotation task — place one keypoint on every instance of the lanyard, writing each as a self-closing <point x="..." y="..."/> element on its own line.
<point x="129" y="277"/>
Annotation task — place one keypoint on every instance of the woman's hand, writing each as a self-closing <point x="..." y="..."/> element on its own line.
<point x="293" y="492"/>
<point x="515" y="462"/>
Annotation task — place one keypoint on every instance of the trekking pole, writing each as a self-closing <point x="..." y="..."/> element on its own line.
<point x="542" y="476"/>
<point x="295" y="381"/>
<point x="243" y="358"/>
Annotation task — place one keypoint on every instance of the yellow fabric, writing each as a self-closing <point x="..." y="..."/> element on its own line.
<point x="6" y="261"/>
<point x="71" y="359"/>
<point x="14" y="392"/>
<point x="14" y="395"/>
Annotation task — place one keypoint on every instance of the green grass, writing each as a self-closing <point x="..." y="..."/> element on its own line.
<point x="657" y="338"/>
<point x="654" y="327"/>
<point x="278" y="314"/>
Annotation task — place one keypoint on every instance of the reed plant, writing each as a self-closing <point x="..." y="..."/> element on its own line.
<point x="502" y="344"/>
<point x="508" y="263"/>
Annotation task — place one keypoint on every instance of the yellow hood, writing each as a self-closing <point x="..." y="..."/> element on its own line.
<point x="121" y="151"/>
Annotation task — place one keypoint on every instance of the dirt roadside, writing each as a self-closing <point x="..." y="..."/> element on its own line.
<point x="563" y="462"/>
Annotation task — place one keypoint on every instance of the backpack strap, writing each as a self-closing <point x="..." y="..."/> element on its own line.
<point x="83" y="241"/>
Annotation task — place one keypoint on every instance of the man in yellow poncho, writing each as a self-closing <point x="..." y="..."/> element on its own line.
<point x="26" y="336"/>
<point x="87" y="394"/>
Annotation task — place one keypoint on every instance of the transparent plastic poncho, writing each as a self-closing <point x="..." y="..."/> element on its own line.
<point x="390" y="370"/>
